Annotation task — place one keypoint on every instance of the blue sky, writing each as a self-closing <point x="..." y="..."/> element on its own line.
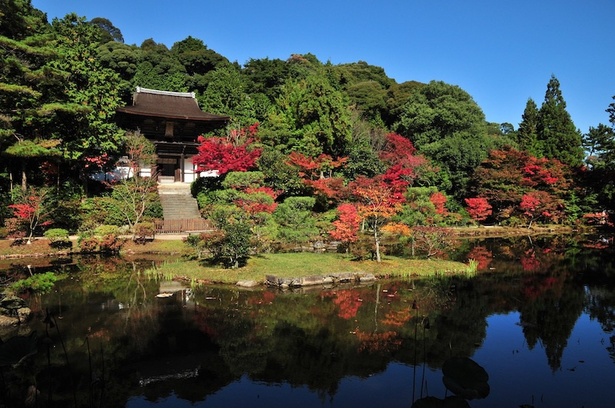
<point x="501" y="52"/>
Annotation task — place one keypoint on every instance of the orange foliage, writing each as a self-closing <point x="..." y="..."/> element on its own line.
<point x="397" y="318"/>
<point x="374" y="342"/>
<point x="348" y="302"/>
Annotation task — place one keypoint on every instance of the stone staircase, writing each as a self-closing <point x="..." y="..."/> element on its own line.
<point x="177" y="201"/>
<point x="179" y="209"/>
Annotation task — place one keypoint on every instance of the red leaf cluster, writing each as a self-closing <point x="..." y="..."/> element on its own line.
<point x="482" y="256"/>
<point x="347" y="224"/>
<point x="216" y="153"/>
<point x="348" y="302"/>
<point x="478" y="208"/>
<point x="439" y="201"/>
<point x="24" y="211"/>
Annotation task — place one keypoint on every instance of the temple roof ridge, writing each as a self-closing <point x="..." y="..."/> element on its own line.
<point x="169" y="93"/>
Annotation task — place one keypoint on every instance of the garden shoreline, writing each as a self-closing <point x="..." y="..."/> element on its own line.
<point x="40" y="249"/>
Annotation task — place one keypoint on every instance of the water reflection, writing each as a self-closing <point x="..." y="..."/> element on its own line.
<point x="538" y="320"/>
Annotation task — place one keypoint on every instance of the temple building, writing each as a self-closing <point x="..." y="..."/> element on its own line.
<point x="172" y="121"/>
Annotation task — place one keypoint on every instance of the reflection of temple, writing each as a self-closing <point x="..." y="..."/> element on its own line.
<point x="173" y="121"/>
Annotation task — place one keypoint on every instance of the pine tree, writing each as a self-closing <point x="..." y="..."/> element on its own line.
<point x="611" y="111"/>
<point x="558" y="137"/>
<point x="23" y="84"/>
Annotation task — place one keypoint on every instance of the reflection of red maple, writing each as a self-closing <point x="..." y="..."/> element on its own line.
<point x="348" y="302"/>
<point x="529" y="262"/>
<point x="373" y="342"/>
<point x="397" y="318"/>
<point x="203" y="323"/>
<point x="266" y="297"/>
<point x="535" y="287"/>
<point x="482" y="256"/>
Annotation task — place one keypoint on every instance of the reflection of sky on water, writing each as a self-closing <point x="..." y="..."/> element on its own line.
<point x="504" y="354"/>
<point x="586" y="366"/>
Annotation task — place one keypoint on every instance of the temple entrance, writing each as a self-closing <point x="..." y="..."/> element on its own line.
<point x="169" y="169"/>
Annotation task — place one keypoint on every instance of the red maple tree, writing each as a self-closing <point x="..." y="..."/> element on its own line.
<point x="478" y="208"/>
<point x="439" y="201"/>
<point x="346" y="227"/>
<point x="31" y="212"/>
<point x="403" y="165"/>
<point x="233" y="154"/>
<point x="539" y="204"/>
<point x="377" y="203"/>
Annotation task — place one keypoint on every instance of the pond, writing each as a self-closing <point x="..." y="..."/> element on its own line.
<point x="535" y="327"/>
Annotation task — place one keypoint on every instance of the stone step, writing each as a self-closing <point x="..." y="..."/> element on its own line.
<point x="177" y="202"/>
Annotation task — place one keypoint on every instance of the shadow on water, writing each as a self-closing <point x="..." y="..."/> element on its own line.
<point x="533" y="328"/>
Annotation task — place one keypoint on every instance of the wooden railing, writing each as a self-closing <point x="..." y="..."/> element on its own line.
<point x="182" y="225"/>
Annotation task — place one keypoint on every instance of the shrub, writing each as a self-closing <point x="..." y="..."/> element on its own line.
<point x="109" y="240"/>
<point x="38" y="283"/>
<point x="88" y="244"/>
<point x="110" y="243"/>
<point x="14" y="229"/>
<point x="144" y="230"/>
<point x="104" y="239"/>
<point x="106" y="229"/>
<point x="58" y="238"/>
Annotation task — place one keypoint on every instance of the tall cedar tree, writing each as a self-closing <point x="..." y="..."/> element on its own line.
<point x="558" y="136"/>
<point x="527" y="134"/>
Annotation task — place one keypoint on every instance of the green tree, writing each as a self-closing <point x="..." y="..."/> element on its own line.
<point x="124" y="60"/>
<point x="225" y="94"/>
<point x="133" y="198"/>
<point x="265" y="76"/>
<point x="527" y="135"/>
<point x="159" y="69"/>
<point x="364" y="146"/>
<point x="91" y="93"/>
<point x="370" y="98"/>
<point x="295" y="220"/>
<point x="447" y="126"/>
<point x="197" y="60"/>
<point x="397" y="96"/>
<point x="18" y="19"/>
<point x="599" y="144"/>
<point x="279" y="174"/>
<point x="109" y="31"/>
<point x="311" y="118"/>
<point x="25" y="80"/>
<point x="366" y="85"/>
<point x="231" y="242"/>
<point x="558" y="136"/>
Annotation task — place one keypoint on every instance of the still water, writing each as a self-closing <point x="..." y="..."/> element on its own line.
<point x="535" y="327"/>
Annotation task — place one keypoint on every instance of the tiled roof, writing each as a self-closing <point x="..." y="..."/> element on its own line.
<point x="169" y="105"/>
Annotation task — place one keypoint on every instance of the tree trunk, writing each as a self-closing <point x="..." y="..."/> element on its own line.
<point x="24" y="177"/>
<point x="377" y="240"/>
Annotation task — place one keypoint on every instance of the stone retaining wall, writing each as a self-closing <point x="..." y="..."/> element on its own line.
<point x="333" y="278"/>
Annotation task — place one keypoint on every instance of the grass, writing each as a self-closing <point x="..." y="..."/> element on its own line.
<point x="285" y="265"/>
<point x="40" y="247"/>
<point x="289" y="265"/>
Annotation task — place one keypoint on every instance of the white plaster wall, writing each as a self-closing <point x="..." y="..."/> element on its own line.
<point x="189" y="170"/>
